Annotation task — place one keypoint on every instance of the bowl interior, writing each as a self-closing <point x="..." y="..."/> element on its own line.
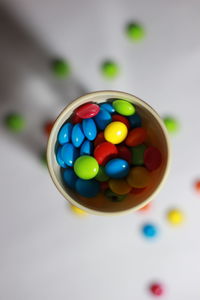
<point x="157" y="136"/>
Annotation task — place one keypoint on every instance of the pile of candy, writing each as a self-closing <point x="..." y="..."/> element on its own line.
<point x="101" y="148"/>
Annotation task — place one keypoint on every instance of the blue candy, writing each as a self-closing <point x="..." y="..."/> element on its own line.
<point x="108" y="107"/>
<point x="117" y="168"/>
<point x="86" y="148"/>
<point x="64" y="135"/>
<point x="89" y="129"/>
<point x="135" y="121"/>
<point x="149" y="231"/>
<point x="59" y="159"/>
<point x="77" y="135"/>
<point x="69" y="154"/>
<point x="87" y="188"/>
<point x="69" y="177"/>
<point x="102" y="119"/>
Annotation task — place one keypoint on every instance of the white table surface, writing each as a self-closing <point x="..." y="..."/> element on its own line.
<point x="46" y="251"/>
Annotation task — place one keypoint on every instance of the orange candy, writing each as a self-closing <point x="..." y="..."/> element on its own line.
<point x="136" y="137"/>
<point x="146" y="207"/>
<point x="119" y="186"/>
<point x="197" y="186"/>
<point x="47" y="128"/>
<point x="138" y="177"/>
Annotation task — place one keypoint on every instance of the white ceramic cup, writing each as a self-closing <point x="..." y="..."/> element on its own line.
<point x="157" y="136"/>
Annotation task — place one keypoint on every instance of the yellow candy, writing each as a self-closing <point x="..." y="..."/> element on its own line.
<point x="78" y="211"/>
<point x="138" y="177"/>
<point x="115" y="132"/>
<point x="119" y="186"/>
<point x="175" y="217"/>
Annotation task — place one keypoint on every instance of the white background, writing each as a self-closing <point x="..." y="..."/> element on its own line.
<point x="46" y="251"/>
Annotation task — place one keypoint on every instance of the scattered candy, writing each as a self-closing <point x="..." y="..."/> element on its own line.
<point x="152" y="158"/>
<point x="135" y="121"/>
<point x="86" y="148"/>
<point x="110" y="69"/>
<point x="124" y="107"/>
<point x="47" y="128"/>
<point x="138" y="154"/>
<point x="101" y="175"/>
<point x="69" y="154"/>
<point x="135" y="32"/>
<point x="69" y="178"/>
<point x="197" y="186"/>
<point x="145" y="208"/>
<point x="104" y="152"/>
<point x="15" y="122"/>
<point x="78" y="211"/>
<point x="44" y="158"/>
<point x="77" y="135"/>
<point x="103" y="119"/>
<point x="115" y="132"/>
<point x="108" y="107"/>
<point x="117" y="168"/>
<point x="87" y="188"/>
<point x="89" y="129"/>
<point x="138" y="177"/>
<point x="119" y="186"/>
<point x="60" y="68"/>
<point x="86" y="167"/>
<point x="156" y="289"/>
<point x="136" y="137"/>
<point x="175" y="217"/>
<point x="171" y="124"/>
<point x="149" y="230"/>
<point x="64" y="135"/>
<point x="99" y="139"/>
<point x="114" y="197"/>
<point x="87" y="110"/>
<point x="121" y="119"/>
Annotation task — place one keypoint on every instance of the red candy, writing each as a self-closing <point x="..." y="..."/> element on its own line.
<point x="104" y="185"/>
<point x="122" y="119"/>
<point x="197" y="186"/>
<point x="136" y="137"/>
<point x="87" y="110"/>
<point x="99" y="139"/>
<point x="137" y="191"/>
<point x="124" y="153"/>
<point x="75" y="119"/>
<point x="152" y="158"/>
<point x="157" y="289"/>
<point x="146" y="207"/>
<point x="47" y="127"/>
<point x="104" y="152"/>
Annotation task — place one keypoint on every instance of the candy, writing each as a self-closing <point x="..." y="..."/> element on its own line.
<point x="171" y="124"/>
<point x="119" y="186"/>
<point x="135" y="121"/>
<point x="121" y="119"/>
<point x="110" y="69"/>
<point x="69" y="154"/>
<point x="115" y="132"/>
<point x="44" y="158"/>
<point x="156" y="289"/>
<point x="75" y="119"/>
<point x="135" y="32"/>
<point x="149" y="231"/>
<point x="145" y="208"/>
<point x="104" y="186"/>
<point x="104" y="152"/>
<point x="175" y="217"/>
<point x="103" y="119"/>
<point x="87" y="188"/>
<point x="60" y="68"/>
<point x="48" y="127"/>
<point x="117" y="168"/>
<point x="136" y="137"/>
<point x="64" y="135"/>
<point x="89" y="129"/>
<point x="78" y="211"/>
<point x="197" y="186"/>
<point x="99" y="139"/>
<point x="124" y="153"/>
<point x="138" y="154"/>
<point x="77" y="135"/>
<point x="138" y="177"/>
<point x="69" y="177"/>
<point x="152" y="158"/>
<point x="124" y="107"/>
<point x="114" y="197"/>
<point x="86" y="148"/>
<point x="136" y="191"/>
<point x="86" y="167"/>
<point x="87" y="110"/>
<point x="59" y="158"/>
<point x="101" y="175"/>
<point x="108" y="107"/>
<point x="15" y="122"/>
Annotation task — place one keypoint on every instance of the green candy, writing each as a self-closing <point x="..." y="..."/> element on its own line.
<point x="101" y="175"/>
<point x="135" y="32"/>
<point x="86" y="167"/>
<point x="60" y="68"/>
<point x="43" y="158"/>
<point x="123" y="107"/>
<point x="171" y="124"/>
<point x="114" y="197"/>
<point x="15" y="122"/>
<point x="110" y="69"/>
<point x="138" y="154"/>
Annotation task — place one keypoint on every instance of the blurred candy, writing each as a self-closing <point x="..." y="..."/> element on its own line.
<point x="145" y="208"/>
<point x="15" y="122"/>
<point x="47" y="128"/>
<point x="89" y="129"/>
<point x="65" y="133"/>
<point x="135" y="32"/>
<point x="87" y="110"/>
<point x="115" y="132"/>
<point x="124" y="153"/>
<point x="138" y="177"/>
<point x="121" y="119"/>
<point x="136" y="137"/>
<point x="101" y="175"/>
<point x="152" y="158"/>
<point x="59" y="158"/>
<point x="78" y="211"/>
<point x="109" y="69"/>
<point x="103" y="119"/>
<point x="69" y="177"/>
<point x="137" y="191"/>
<point x="119" y="186"/>
<point x="75" y="119"/>
<point x="117" y="168"/>
<point x="60" y="68"/>
<point x="197" y="186"/>
<point x="99" y="139"/>
<point x="86" y="167"/>
<point x="175" y="217"/>
<point x="44" y="158"/>
<point x="69" y="154"/>
<point x="87" y="188"/>
<point x="114" y="197"/>
<point x="108" y="106"/>
<point x="149" y="230"/>
<point x="156" y="289"/>
<point x="86" y="148"/>
<point x="138" y="154"/>
<point x="171" y="124"/>
<point x="104" y="185"/>
<point x="135" y="121"/>
<point x="77" y="135"/>
<point x="123" y="107"/>
<point x="104" y="152"/>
